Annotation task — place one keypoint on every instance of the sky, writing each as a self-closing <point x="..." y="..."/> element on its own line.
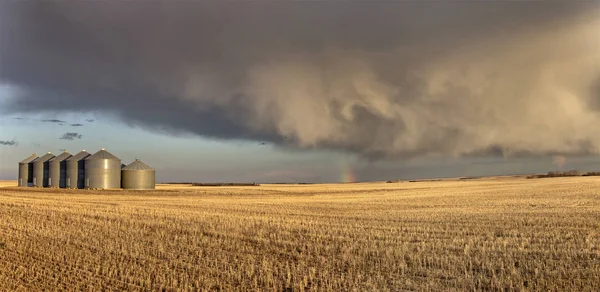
<point x="314" y="91"/>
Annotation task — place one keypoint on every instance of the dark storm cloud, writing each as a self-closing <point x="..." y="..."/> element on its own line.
<point x="76" y="125"/>
<point x="380" y="79"/>
<point x="9" y="143"/>
<point x="71" y="136"/>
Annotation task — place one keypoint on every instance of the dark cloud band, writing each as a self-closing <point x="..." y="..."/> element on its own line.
<point x="54" y="121"/>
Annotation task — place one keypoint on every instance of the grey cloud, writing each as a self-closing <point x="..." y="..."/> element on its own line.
<point x="71" y="136"/>
<point x="382" y="79"/>
<point x="76" y="125"/>
<point x="54" y="121"/>
<point x="9" y="143"/>
<point x="89" y="120"/>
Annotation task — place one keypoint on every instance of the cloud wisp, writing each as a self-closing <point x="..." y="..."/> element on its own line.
<point x="71" y="136"/>
<point x="53" y="121"/>
<point x="399" y="79"/>
<point x="12" y="142"/>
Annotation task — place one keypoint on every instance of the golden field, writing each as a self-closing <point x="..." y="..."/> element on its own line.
<point x="490" y="234"/>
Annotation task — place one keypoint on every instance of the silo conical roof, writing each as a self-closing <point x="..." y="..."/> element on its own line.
<point x="63" y="156"/>
<point x="30" y="158"/>
<point x="137" y="165"/>
<point x="81" y="155"/>
<point x="45" y="158"/>
<point x="103" y="154"/>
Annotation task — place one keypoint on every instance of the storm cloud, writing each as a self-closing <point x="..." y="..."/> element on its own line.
<point x="383" y="79"/>
<point x="71" y="136"/>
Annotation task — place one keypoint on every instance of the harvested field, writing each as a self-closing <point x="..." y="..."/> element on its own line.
<point x="8" y="183"/>
<point x="505" y="233"/>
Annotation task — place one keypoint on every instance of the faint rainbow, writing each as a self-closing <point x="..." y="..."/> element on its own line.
<point x="347" y="174"/>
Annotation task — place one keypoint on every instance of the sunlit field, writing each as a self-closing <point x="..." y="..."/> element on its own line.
<point x="503" y="233"/>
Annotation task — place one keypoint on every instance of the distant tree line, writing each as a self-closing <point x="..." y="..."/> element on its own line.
<point x="564" y="174"/>
<point x="224" y="184"/>
<point x="212" y="184"/>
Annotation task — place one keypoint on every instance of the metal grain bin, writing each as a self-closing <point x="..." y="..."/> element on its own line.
<point x="76" y="170"/>
<point x="103" y="171"/>
<point x="138" y="176"/>
<point x="58" y="170"/>
<point x="41" y="167"/>
<point x="26" y="171"/>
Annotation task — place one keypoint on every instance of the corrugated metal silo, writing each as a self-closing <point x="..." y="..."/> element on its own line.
<point x="58" y="170"/>
<point x="26" y="170"/>
<point x="103" y="171"/>
<point x="138" y="176"/>
<point x="41" y="167"/>
<point x="76" y="170"/>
